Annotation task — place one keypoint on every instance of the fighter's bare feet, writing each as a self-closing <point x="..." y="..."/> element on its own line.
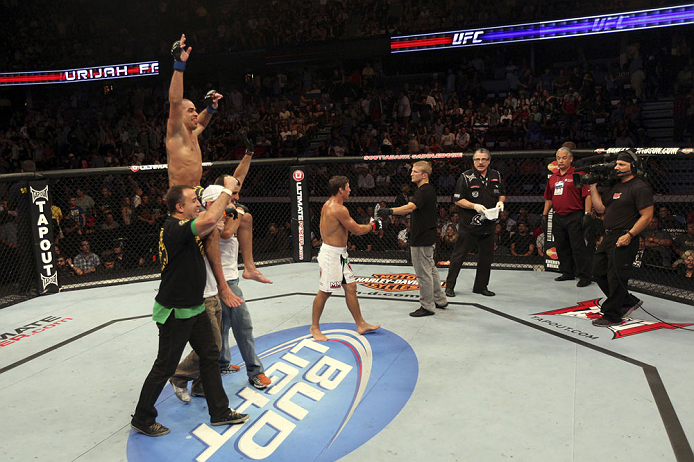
<point x="317" y="334"/>
<point x="366" y="328"/>
<point x="255" y="275"/>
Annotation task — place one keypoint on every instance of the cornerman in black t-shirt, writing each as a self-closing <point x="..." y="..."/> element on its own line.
<point x="477" y="190"/>
<point x="628" y="208"/>
<point x="179" y="310"/>
<point x="422" y="206"/>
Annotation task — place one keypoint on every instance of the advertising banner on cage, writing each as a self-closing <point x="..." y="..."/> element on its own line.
<point x="301" y="222"/>
<point x="42" y="230"/>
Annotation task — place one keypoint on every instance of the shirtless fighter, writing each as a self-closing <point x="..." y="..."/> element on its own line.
<point x="335" y="270"/>
<point x="184" y="160"/>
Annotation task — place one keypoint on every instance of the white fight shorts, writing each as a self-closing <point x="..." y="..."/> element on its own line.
<point x="334" y="266"/>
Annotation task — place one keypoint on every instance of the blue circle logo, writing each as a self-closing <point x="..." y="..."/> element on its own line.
<point x="326" y="400"/>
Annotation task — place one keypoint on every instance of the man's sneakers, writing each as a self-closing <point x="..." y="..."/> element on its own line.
<point x="156" y="429"/>
<point x="604" y="322"/>
<point x="441" y="307"/>
<point x="260" y="381"/>
<point x="181" y="393"/>
<point x="583" y="283"/>
<point x="564" y="277"/>
<point x="230" y="369"/>
<point x="485" y="292"/>
<point x="627" y="310"/>
<point x="421" y="311"/>
<point x="450" y="292"/>
<point x="232" y="417"/>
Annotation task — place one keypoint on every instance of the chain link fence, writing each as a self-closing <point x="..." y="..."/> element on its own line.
<point x="105" y="222"/>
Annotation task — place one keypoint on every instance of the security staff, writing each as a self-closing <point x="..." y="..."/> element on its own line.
<point x="477" y="190"/>
<point x="628" y="208"/>
<point x="571" y="206"/>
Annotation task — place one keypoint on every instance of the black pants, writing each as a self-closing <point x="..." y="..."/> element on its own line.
<point x="174" y="334"/>
<point x="612" y="267"/>
<point x="571" y="247"/>
<point x="485" y="243"/>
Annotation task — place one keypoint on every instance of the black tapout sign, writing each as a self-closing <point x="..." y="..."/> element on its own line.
<point x="42" y="230"/>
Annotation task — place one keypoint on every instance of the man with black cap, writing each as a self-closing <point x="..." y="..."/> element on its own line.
<point x="628" y="208"/>
<point x="571" y="206"/>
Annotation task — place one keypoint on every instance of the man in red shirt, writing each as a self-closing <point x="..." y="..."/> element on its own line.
<point x="572" y="207"/>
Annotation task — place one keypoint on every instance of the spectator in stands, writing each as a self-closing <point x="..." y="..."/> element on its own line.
<point x="685" y="242"/>
<point x="77" y="213"/>
<point x="501" y="240"/>
<point x="685" y="266"/>
<point x="657" y="242"/>
<point x="404" y="235"/>
<point x="86" y="260"/>
<point x="126" y="211"/>
<point x="66" y="269"/>
<point x="84" y="201"/>
<point x="667" y="221"/>
<point x="106" y="202"/>
<point x="522" y="242"/>
<point x="109" y="223"/>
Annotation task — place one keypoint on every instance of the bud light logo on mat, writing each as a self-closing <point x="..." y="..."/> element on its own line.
<point x="326" y="400"/>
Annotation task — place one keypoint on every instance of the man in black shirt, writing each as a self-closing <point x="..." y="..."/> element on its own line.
<point x="628" y="208"/>
<point x="179" y="310"/>
<point x="422" y="206"/>
<point x="477" y="190"/>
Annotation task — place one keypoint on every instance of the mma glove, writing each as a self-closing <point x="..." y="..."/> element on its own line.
<point x="242" y="209"/>
<point x="250" y="148"/>
<point x="376" y="224"/>
<point x="176" y="50"/>
<point x="209" y="101"/>
<point x="585" y="223"/>
<point x="231" y="212"/>
<point x="384" y="212"/>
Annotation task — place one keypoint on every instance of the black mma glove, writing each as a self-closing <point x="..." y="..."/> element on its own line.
<point x="384" y="212"/>
<point x="545" y="222"/>
<point x="376" y="224"/>
<point x="242" y="208"/>
<point x="209" y="101"/>
<point x="176" y="50"/>
<point x="231" y="212"/>
<point x="585" y="223"/>
<point x="250" y="148"/>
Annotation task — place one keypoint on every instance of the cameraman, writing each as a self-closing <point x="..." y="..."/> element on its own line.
<point x="628" y="208"/>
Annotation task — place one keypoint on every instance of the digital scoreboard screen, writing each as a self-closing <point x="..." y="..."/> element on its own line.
<point x="85" y="74"/>
<point x="546" y="30"/>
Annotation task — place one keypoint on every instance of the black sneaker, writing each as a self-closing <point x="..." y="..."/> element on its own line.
<point x="563" y="277"/>
<point x="421" y="311"/>
<point x="583" y="283"/>
<point x="627" y="310"/>
<point x="441" y="307"/>
<point x="156" y="429"/>
<point x="450" y="293"/>
<point x="604" y="322"/>
<point x="232" y="417"/>
<point x="197" y="391"/>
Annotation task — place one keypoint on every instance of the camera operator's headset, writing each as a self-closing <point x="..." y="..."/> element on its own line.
<point x="636" y="164"/>
<point x="637" y="170"/>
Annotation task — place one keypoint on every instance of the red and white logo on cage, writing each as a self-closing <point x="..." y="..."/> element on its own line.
<point x="298" y="175"/>
<point x="590" y="309"/>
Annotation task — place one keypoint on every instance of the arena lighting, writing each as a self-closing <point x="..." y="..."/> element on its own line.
<point x="547" y="30"/>
<point x="84" y="74"/>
